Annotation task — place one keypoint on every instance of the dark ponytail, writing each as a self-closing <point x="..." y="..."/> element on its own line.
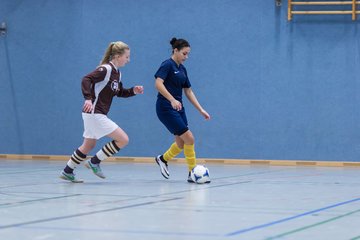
<point x="179" y="43"/>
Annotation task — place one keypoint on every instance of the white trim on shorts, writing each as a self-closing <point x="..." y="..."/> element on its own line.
<point x="97" y="125"/>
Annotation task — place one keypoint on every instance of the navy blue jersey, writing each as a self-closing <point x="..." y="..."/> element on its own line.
<point x="175" y="78"/>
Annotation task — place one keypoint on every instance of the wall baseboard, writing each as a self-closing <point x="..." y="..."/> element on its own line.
<point x="199" y="160"/>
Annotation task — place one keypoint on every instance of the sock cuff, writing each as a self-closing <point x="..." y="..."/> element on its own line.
<point x="77" y="157"/>
<point x="189" y="147"/>
<point x="107" y="150"/>
<point x="174" y="145"/>
<point x="80" y="154"/>
<point x="115" y="146"/>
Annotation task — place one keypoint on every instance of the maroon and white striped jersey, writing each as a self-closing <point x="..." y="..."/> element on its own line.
<point x="101" y="85"/>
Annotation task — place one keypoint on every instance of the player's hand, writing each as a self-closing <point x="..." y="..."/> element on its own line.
<point x="138" y="89"/>
<point x="205" y="114"/>
<point x="87" y="106"/>
<point x="176" y="105"/>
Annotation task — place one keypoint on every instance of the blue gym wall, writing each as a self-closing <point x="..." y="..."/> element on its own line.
<point x="275" y="89"/>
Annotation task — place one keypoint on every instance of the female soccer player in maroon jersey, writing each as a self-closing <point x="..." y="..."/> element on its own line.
<point x="99" y="87"/>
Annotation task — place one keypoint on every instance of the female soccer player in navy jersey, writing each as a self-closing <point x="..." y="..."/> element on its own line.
<point x="171" y="81"/>
<point x="99" y="87"/>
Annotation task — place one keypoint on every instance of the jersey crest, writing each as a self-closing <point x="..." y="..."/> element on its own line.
<point x="115" y="86"/>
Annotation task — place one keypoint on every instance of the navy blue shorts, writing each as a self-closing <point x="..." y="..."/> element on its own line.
<point x="174" y="121"/>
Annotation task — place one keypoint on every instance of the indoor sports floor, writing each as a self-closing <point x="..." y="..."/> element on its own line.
<point x="135" y="202"/>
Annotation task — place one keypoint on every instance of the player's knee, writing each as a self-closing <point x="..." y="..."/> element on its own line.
<point x="126" y="140"/>
<point x="122" y="142"/>
<point x="188" y="138"/>
<point x="191" y="141"/>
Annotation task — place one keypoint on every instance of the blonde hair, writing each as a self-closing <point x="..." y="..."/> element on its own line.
<point x="113" y="49"/>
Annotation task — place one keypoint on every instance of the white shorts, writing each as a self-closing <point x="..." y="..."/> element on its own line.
<point x="97" y="125"/>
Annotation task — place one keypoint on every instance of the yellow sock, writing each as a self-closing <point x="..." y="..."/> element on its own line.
<point x="172" y="152"/>
<point x="189" y="152"/>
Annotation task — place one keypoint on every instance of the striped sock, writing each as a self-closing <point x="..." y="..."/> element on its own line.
<point x="107" y="151"/>
<point x="76" y="158"/>
<point x="189" y="152"/>
<point x="172" y="152"/>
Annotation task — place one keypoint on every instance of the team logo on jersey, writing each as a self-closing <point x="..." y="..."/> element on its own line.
<point x="114" y="86"/>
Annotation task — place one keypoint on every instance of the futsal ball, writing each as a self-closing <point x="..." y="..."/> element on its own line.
<point x="200" y="174"/>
